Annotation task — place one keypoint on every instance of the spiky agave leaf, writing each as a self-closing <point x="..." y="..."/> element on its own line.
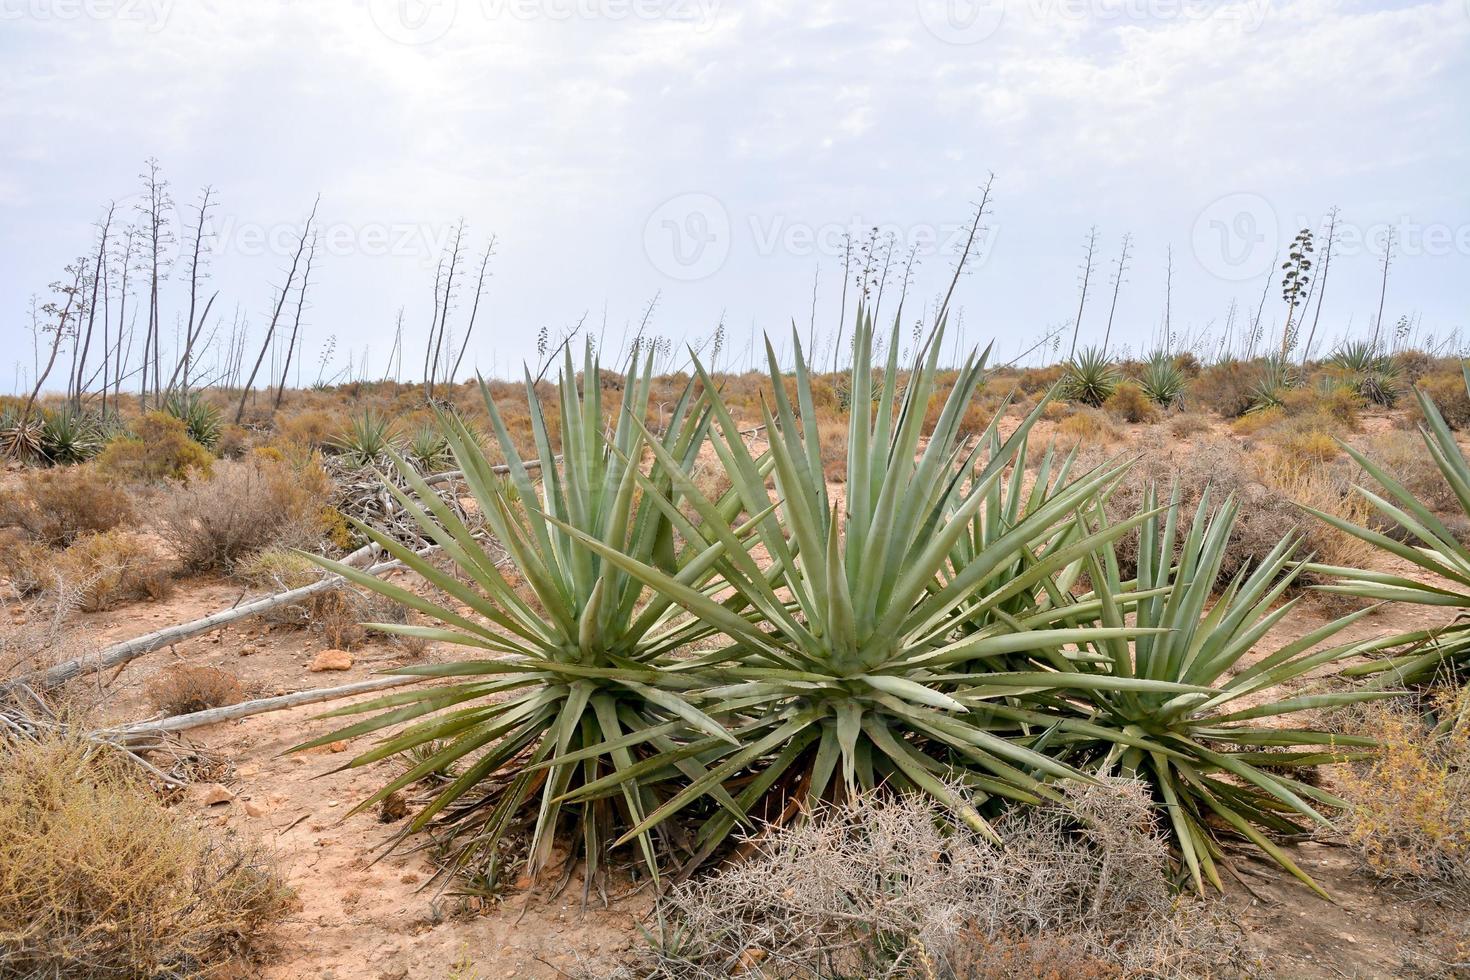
<point x="1090" y="377"/>
<point x="200" y="418"/>
<point x="371" y="438"/>
<point x="859" y="665"/>
<point x="1370" y="371"/>
<point x="1432" y="547"/>
<point x="69" y="436"/>
<point x="1206" y="754"/>
<point x="581" y="686"/>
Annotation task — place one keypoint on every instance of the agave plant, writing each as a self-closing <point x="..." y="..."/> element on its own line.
<point x="1371" y="372"/>
<point x="371" y="438"/>
<point x="579" y="685"/>
<point x="201" y="419"/>
<point x="1432" y="547"/>
<point x="20" y="436"/>
<point x="428" y="449"/>
<point x="1221" y="754"/>
<point x="1163" y="381"/>
<point x="68" y="436"/>
<point x="1090" y="377"/>
<point x="868" y="654"/>
<point x="1278" y="376"/>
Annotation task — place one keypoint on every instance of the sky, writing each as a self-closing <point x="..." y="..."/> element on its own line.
<point x="686" y="163"/>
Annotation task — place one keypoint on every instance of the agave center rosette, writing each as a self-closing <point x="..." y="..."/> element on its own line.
<point x="577" y="680"/>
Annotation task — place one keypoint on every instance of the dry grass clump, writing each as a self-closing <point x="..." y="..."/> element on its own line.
<point x="95" y="572"/>
<point x="157" y="448"/>
<point x="243" y="506"/>
<point x="1410" y="816"/>
<point x="1088" y="427"/>
<point x="1188" y="424"/>
<point x="1130" y="404"/>
<point x="99" y="879"/>
<point x="184" y="690"/>
<point x="56" y="506"/>
<point x="890" y="886"/>
<point x="37" y="639"/>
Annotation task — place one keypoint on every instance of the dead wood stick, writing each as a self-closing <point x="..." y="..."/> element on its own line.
<point x="128" y="650"/>
<point x="244" y="709"/>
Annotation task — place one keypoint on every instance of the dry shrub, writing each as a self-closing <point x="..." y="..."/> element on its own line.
<point x="95" y="572"/>
<point x="159" y="448"/>
<point x="1188" y="424"/>
<point x="1410" y="815"/>
<point x="1405" y="457"/>
<point x="1339" y="403"/>
<point x="1296" y="447"/>
<point x="308" y="430"/>
<point x="1447" y="390"/>
<point x="1088" y="427"/>
<point x="1227" y="388"/>
<point x="234" y="441"/>
<point x="1267" y="510"/>
<point x="99" y="879"/>
<point x="1256" y="422"/>
<point x="891" y="886"/>
<point x="58" y="505"/>
<point x="243" y="506"/>
<point x="39" y="639"/>
<point x="1129" y="403"/>
<point x="184" y="690"/>
<point x="834" y="453"/>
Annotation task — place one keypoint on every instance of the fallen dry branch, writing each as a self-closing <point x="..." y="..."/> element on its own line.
<point x="130" y="734"/>
<point x="122" y="653"/>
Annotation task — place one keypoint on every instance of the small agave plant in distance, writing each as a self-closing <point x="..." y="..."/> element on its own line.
<point x="1224" y="752"/>
<point x="582" y="690"/>
<point x="1090" y="377"/>
<point x="853" y="666"/>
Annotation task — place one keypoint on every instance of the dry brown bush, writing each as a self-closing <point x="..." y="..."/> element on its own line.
<point x="1267" y="513"/>
<point x="1130" y="404"/>
<point x="159" y="448"/>
<point x="95" y="572"/>
<point x="1410" y="816"/>
<point x="890" y="886"/>
<point x="1226" y="388"/>
<point x="1088" y="427"/>
<point x="1188" y="424"/>
<point x="1404" y="455"/>
<point x="55" y="506"/>
<point x="243" y="506"/>
<point x="1447" y="390"/>
<point x="99" y="879"/>
<point x="184" y="690"/>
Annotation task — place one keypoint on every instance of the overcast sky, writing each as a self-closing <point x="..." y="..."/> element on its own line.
<point x="713" y="153"/>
